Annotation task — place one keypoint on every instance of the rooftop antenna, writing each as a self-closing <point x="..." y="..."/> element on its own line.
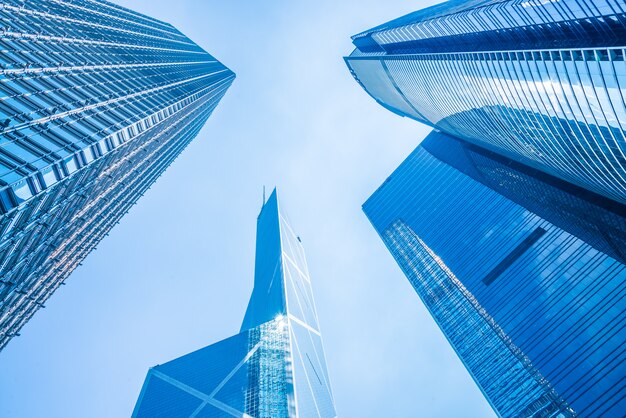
<point x="263" y="195"/>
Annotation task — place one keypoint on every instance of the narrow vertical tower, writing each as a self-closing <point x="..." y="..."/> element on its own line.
<point x="275" y="366"/>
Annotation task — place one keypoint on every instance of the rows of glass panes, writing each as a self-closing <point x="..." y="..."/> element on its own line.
<point x="56" y="230"/>
<point x="62" y="132"/>
<point x="502" y="15"/>
<point x="74" y="75"/>
<point x="72" y="22"/>
<point x="558" y="301"/>
<point x="563" y="111"/>
<point x="67" y="227"/>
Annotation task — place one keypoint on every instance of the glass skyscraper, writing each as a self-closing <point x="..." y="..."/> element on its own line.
<point x="528" y="290"/>
<point x="96" y="101"/>
<point x="510" y="219"/>
<point x="540" y="82"/>
<point x="274" y="367"/>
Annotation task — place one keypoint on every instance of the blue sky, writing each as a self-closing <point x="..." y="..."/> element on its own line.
<point x="177" y="273"/>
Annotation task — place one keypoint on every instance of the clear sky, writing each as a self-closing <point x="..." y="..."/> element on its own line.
<point x="177" y="273"/>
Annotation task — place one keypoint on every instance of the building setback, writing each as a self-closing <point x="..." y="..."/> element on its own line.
<point x="535" y="313"/>
<point x="96" y="101"/>
<point x="540" y="82"/>
<point x="275" y="367"/>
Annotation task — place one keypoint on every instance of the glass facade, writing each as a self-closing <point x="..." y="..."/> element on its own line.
<point x="598" y="221"/>
<point x="533" y="310"/>
<point x="471" y="25"/>
<point x="275" y="367"/>
<point x="541" y="83"/>
<point x="246" y="373"/>
<point x="96" y="101"/>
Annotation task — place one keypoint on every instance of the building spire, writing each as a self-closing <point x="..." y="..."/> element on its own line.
<point x="275" y="367"/>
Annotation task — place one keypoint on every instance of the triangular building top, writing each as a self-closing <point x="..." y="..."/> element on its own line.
<point x="275" y="367"/>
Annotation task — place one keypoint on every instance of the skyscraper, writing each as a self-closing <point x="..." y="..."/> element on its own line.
<point x="96" y="101"/>
<point x="540" y="82"/>
<point x="275" y="366"/>
<point x="525" y="292"/>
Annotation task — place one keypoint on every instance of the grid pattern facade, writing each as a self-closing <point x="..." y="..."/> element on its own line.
<point x="555" y="298"/>
<point x="558" y="107"/>
<point x="275" y="367"/>
<point x="244" y="373"/>
<point x="96" y="101"/>
<point x="269" y="386"/>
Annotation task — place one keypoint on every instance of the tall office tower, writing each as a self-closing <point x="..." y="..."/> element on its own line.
<point x="540" y="82"/>
<point x="275" y="366"/>
<point x="96" y="101"/>
<point x="534" y="311"/>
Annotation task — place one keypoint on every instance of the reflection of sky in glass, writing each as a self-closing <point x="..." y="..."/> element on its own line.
<point x="552" y="294"/>
<point x="244" y="374"/>
<point x="511" y="384"/>
<point x="561" y="116"/>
